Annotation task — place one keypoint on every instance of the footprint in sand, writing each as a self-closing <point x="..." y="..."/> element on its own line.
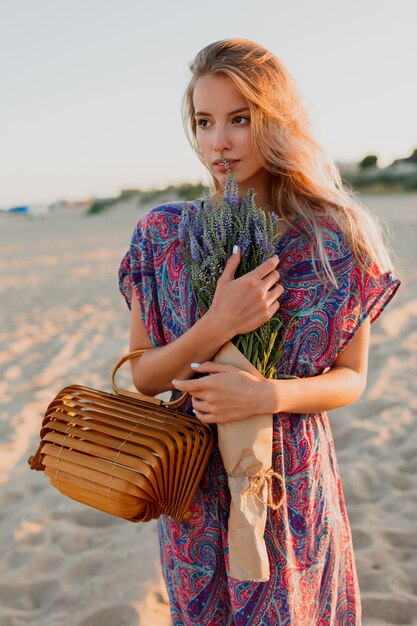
<point x="361" y="538"/>
<point x="74" y="542"/>
<point x="34" y="563"/>
<point x="11" y="497"/>
<point x="394" y="478"/>
<point x="115" y="615"/>
<point x="389" y="610"/>
<point x="402" y="540"/>
<point x="83" y="571"/>
<point x="363" y="484"/>
<point x="30" y="596"/>
<point x="410" y="467"/>
<point x="95" y="519"/>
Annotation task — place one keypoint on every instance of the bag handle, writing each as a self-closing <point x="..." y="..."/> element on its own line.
<point x="141" y="396"/>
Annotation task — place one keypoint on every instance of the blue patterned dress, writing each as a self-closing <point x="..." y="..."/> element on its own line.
<point x="313" y="578"/>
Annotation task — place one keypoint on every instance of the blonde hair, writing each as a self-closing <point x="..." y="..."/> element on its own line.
<point x="304" y="179"/>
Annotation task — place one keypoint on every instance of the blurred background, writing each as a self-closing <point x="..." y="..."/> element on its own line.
<point x="90" y="138"/>
<point x="91" y="91"/>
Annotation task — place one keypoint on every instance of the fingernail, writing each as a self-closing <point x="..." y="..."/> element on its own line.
<point x="195" y="364"/>
<point x="174" y="381"/>
<point x="235" y="249"/>
<point x="193" y="411"/>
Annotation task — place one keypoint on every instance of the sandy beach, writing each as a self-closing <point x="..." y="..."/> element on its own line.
<point x="64" y="321"/>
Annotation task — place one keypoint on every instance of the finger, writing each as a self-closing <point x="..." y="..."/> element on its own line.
<point x="273" y="308"/>
<point x="201" y="405"/>
<point x="232" y="264"/>
<point x="210" y="367"/>
<point x="200" y="384"/>
<point x="265" y="268"/>
<point x="206" y="418"/>
<point x="191" y="386"/>
<point x="271" y="279"/>
<point x="274" y="294"/>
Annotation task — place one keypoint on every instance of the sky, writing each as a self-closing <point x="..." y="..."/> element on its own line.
<point x="91" y="90"/>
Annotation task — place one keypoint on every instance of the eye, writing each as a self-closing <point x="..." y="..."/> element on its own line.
<point x="241" y="120"/>
<point x="203" y="123"/>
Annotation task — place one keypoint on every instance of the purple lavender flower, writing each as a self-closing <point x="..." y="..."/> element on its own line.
<point x="231" y="191"/>
<point x="184" y="224"/>
<point x="261" y="239"/>
<point x="195" y="251"/>
<point x="244" y="242"/>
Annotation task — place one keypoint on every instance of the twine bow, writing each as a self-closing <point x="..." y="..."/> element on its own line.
<point x="256" y="484"/>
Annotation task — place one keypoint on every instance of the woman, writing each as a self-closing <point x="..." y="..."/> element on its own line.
<point x="335" y="271"/>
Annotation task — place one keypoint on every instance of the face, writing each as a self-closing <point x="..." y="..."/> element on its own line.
<point x="223" y="126"/>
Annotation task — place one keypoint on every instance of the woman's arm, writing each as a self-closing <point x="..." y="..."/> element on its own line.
<point x="239" y="305"/>
<point x="230" y="394"/>
<point x="152" y="372"/>
<point x="343" y="384"/>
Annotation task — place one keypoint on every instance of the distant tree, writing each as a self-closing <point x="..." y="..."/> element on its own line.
<point x="413" y="157"/>
<point x="369" y="161"/>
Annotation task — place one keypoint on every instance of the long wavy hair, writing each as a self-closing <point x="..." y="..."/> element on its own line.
<point x="304" y="180"/>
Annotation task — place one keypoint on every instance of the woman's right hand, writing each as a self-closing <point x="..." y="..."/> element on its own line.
<point x="243" y="304"/>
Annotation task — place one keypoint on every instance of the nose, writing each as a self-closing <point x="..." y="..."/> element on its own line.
<point x="221" y="140"/>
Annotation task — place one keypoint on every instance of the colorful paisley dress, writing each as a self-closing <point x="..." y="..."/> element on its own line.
<point x="313" y="578"/>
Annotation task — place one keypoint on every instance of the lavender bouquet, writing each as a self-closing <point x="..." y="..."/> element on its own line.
<point x="207" y="238"/>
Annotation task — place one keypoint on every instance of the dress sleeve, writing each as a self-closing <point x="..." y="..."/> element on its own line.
<point x="369" y="292"/>
<point x="137" y="271"/>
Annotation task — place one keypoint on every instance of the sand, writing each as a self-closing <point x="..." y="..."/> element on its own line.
<point x="64" y="321"/>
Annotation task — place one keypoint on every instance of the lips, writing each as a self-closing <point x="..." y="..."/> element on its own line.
<point x="221" y="161"/>
<point x="222" y="168"/>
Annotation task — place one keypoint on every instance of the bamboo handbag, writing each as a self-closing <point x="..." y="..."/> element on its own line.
<point x="126" y="454"/>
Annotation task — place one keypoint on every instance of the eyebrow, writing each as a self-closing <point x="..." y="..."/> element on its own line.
<point x="231" y="112"/>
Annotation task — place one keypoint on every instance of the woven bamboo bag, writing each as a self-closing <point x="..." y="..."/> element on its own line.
<point x="126" y="454"/>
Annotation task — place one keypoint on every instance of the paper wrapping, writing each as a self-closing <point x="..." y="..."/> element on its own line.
<point x="246" y="450"/>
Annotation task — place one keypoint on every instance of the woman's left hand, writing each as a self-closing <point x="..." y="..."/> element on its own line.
<point x="229" y="394"/>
